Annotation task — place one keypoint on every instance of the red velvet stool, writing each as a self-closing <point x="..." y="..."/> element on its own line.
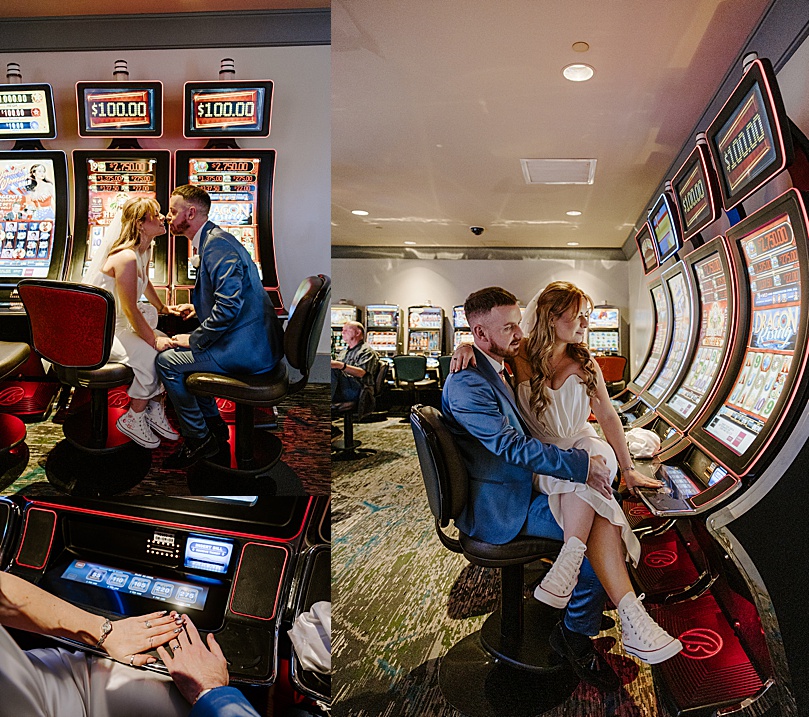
<point x="13" y="451"/>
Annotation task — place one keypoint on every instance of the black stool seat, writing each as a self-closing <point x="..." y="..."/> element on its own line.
<point x="521" y="550"/>
<point x="13" y="451"/>
<point x="343" y="406"/>
<point x="264" y="389"/>
<point x="110" y="375"/>
<point x="13" y="354"/>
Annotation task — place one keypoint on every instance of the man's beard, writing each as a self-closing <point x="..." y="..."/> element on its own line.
<point x="502" y="351"/>
<point x="181" y="229"/>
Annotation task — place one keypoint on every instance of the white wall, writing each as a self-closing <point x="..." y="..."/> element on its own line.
<point x="301" y="130"/>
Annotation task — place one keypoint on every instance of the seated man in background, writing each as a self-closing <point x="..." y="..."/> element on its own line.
<point x="355" y="367"/>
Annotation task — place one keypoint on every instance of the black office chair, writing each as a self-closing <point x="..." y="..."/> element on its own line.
<point x="443" y="368"/>
<point x="347" y="448"/>
<point x="509" y="657"/>
<point x="410" y="373"/>
<point x="257" y="451"/>
<point x="13" y="451"/>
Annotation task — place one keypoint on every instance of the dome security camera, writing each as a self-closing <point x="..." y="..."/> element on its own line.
<point x="477" y="231"/>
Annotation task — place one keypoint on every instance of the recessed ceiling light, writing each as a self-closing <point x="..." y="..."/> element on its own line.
<point x="573" y="213"/>
<point x="359" y="212"/>
<point x="578" y="72"/>
<point x="410" y="243"/>
<point x="573" y="243"/>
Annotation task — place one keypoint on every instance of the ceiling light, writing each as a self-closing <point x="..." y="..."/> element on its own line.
<point x="580" y="47"/>
<point x="410" y="243"/>
<point x="359" y="212"/>
<point x="578" y="72"/>
<point x="573" y="243"/>
<point x="573" y="213"/>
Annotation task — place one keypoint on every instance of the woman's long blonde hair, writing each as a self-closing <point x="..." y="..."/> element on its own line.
<point x="133" y="215"/>
<point x="558" y="298"/>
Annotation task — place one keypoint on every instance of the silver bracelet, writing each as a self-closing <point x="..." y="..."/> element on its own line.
<point x="630" y="467"/>
<point x="106" y="629"/>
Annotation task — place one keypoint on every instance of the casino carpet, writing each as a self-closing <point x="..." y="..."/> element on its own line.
<point x="402" y="599"/>
<point x="303" y="428"/>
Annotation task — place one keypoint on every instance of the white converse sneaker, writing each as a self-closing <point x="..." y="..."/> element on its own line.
<point x="156" y="417"/>
<point x="135" y="426"/>
<point x="558" y="584"/>
<point x="642" y="636"/>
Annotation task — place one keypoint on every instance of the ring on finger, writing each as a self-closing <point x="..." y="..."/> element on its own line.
<point x="132" y="661"/>
<point x="150" y="643"/>
<point x="176" y="647"/>
<point x="148" y="624"/>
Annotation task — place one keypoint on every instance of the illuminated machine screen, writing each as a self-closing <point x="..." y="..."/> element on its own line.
<point x="202" y="553"/>
<point x="341" y="314"/>
<point x="664" y="228"/>
<point x="382" y="341"/>
<point x="425" y="317"/>
<point x="695" y="192"/>
<point x="713" y="299"/>
<point x="750" y="139"/>
<point x="462" y="337"/>
<point x="110" y="179"/>
<point x="33" y="209"/>
<point x="26" y="112"/>
<point x="228" y="109"/>
<point x="646" y="248"/>
<point x="180" y="594"/>
<point x="459" y="318"/>
<point x="681" y="332"/>
<point x="606" y="341"/>
<point x="661" y="333"/>
<point x="382" y="316"/>
<point x="605" y="318"/>
<point x="772" y="262"/>
<point x="120" y="109"/>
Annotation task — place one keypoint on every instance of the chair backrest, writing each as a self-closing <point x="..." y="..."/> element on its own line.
<point x="612" y="367"/>
<point x="306" y="317"/>
<point x="410" y="368"/>
<point x="443" y="367"/>
<point x="72" y="325"/>
<point x="381" y="376"/>
<point x="445" y="478"/>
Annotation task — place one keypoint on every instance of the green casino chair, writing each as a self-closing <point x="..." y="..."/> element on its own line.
<point x="410" y="374"/>
<point x="13" y="451"/>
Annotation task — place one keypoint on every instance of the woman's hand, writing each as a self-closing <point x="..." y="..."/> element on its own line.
<point x="161" y="343"/>
<point x="462" y="358"/>
<point x="135" y="635"/>
<point x="635" y="479"/>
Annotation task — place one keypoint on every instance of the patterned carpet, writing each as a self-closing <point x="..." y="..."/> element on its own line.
<point x="303" y="428"/>
<point x="402" y="599"/>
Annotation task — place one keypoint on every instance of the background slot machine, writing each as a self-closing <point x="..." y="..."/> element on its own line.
<point x="461" y="333"/>
<point x="383" y="326"/>
<point x="604" y="332"/>
<point x="425" y="332"/>
<point x="341" y="314"/>
<point x="34" y="210"/>
<point x="105" y="179"/>
<point x="239" y="181"/>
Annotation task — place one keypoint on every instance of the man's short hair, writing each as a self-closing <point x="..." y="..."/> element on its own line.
<point x="356" y="325"/>
<point x="194" y="195"/>
<point x="484" y="300"/>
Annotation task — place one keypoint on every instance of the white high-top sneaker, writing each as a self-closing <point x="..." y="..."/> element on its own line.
<point x="158" y="422"/>
<point x="642" y="636"/>
<point x="557" y="586"/>
<point x="136" y="427"/>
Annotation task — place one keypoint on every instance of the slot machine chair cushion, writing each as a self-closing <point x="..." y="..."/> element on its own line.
<point x="347" y="448"/>
<point x="251" y="458"/>
<point x="73" y="327"/>
<point x="443" y="368"/>
<point x="13" y="451"/>
<point x="516" y="636"/>
<point x="613" y="368"/>
<point x="410" y="374"/>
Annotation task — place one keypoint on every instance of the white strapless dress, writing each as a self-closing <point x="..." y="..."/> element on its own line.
<point x="566" y="426"/>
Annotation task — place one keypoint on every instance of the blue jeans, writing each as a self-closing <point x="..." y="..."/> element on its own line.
<point x="583" y="614"/>
<point x="343" y="387"/>
<point x="173" y="365"/>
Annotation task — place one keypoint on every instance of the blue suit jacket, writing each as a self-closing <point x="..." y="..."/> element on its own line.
<point x="223" y="702"/>
<point x="500" y="456"/>
<point x="238" y="324"/>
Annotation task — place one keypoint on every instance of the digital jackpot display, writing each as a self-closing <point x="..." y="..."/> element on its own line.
<point x="646" y="248"/>
<point x="681" y="331"/>
<point x="342" y="314"/>
<point x="425" y="329"/>
<point x="425" y="317"/>
<point x="661" y="334"/>
<point x="664" y="228"/>
<point x="712" y="290"/>
<point x="459" y="318"/>
<point x="750" y="139"/>
<point x="605" y="318"/>
<point x="114" y="109"/>
<point x="695" y="192"/>
<point x="228" y="109"/>
<point x="27" y="112"/>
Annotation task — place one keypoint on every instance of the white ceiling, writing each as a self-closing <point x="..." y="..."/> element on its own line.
<point x="435" y="103"/>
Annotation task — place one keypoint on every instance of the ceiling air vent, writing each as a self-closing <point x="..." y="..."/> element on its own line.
<point x="558" y="171"/>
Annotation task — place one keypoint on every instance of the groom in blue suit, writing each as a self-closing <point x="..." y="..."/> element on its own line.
<point x="501" y="457"/>
<point x="239" y="331"/>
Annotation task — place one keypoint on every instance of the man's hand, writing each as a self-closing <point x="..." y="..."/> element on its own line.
<point x="192" y="666"/>
<point x="337" y="364"/>
<point x="182" y="341"/>
<point x="185" y="311"/>
<point x="462" y="357"/>
<point x="598" y="477"/>
<point x="162" y="343"/>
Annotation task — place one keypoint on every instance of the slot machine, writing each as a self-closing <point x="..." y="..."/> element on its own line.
<point x="461" y="333"/>
<point x="383" y="324"/>
<point x="604" y="331"/>
<point x="105" y="179"/>
<point x="341" y="314"/>
<point x="425" y="332"/>
<point x="34" y="210"/>
<point x="239" y="181"/>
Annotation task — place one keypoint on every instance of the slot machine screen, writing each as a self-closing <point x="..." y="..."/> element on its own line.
<point x="605" y="341"/>
<point x="712" y="289"/>
<point x="664" y="227"/>
<point x="382" y="316"/>
<point x="33" y="214"/>
<point x="750" y="139"/>
<point x="772" y="245"/>
<point x="342" y="314"/>
<point x="425" y="317"/>
<point x="228" y="109"/>
<point x="382" y="341"/>
<point x="646" y="247"/>
<point x="661" y="334"/>
<point x="681" y="322"/>
<point x="459" y="318"/>
<point x="462" y="337"/>
<point x="27" y="112"/>
<point x="604" y="318"/>
<point x="120" y="109"/>
<point x="695" y="193"/>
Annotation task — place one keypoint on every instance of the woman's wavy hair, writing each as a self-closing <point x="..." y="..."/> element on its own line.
<point x="558" y="298"/>
<point x="133" y="215"/>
